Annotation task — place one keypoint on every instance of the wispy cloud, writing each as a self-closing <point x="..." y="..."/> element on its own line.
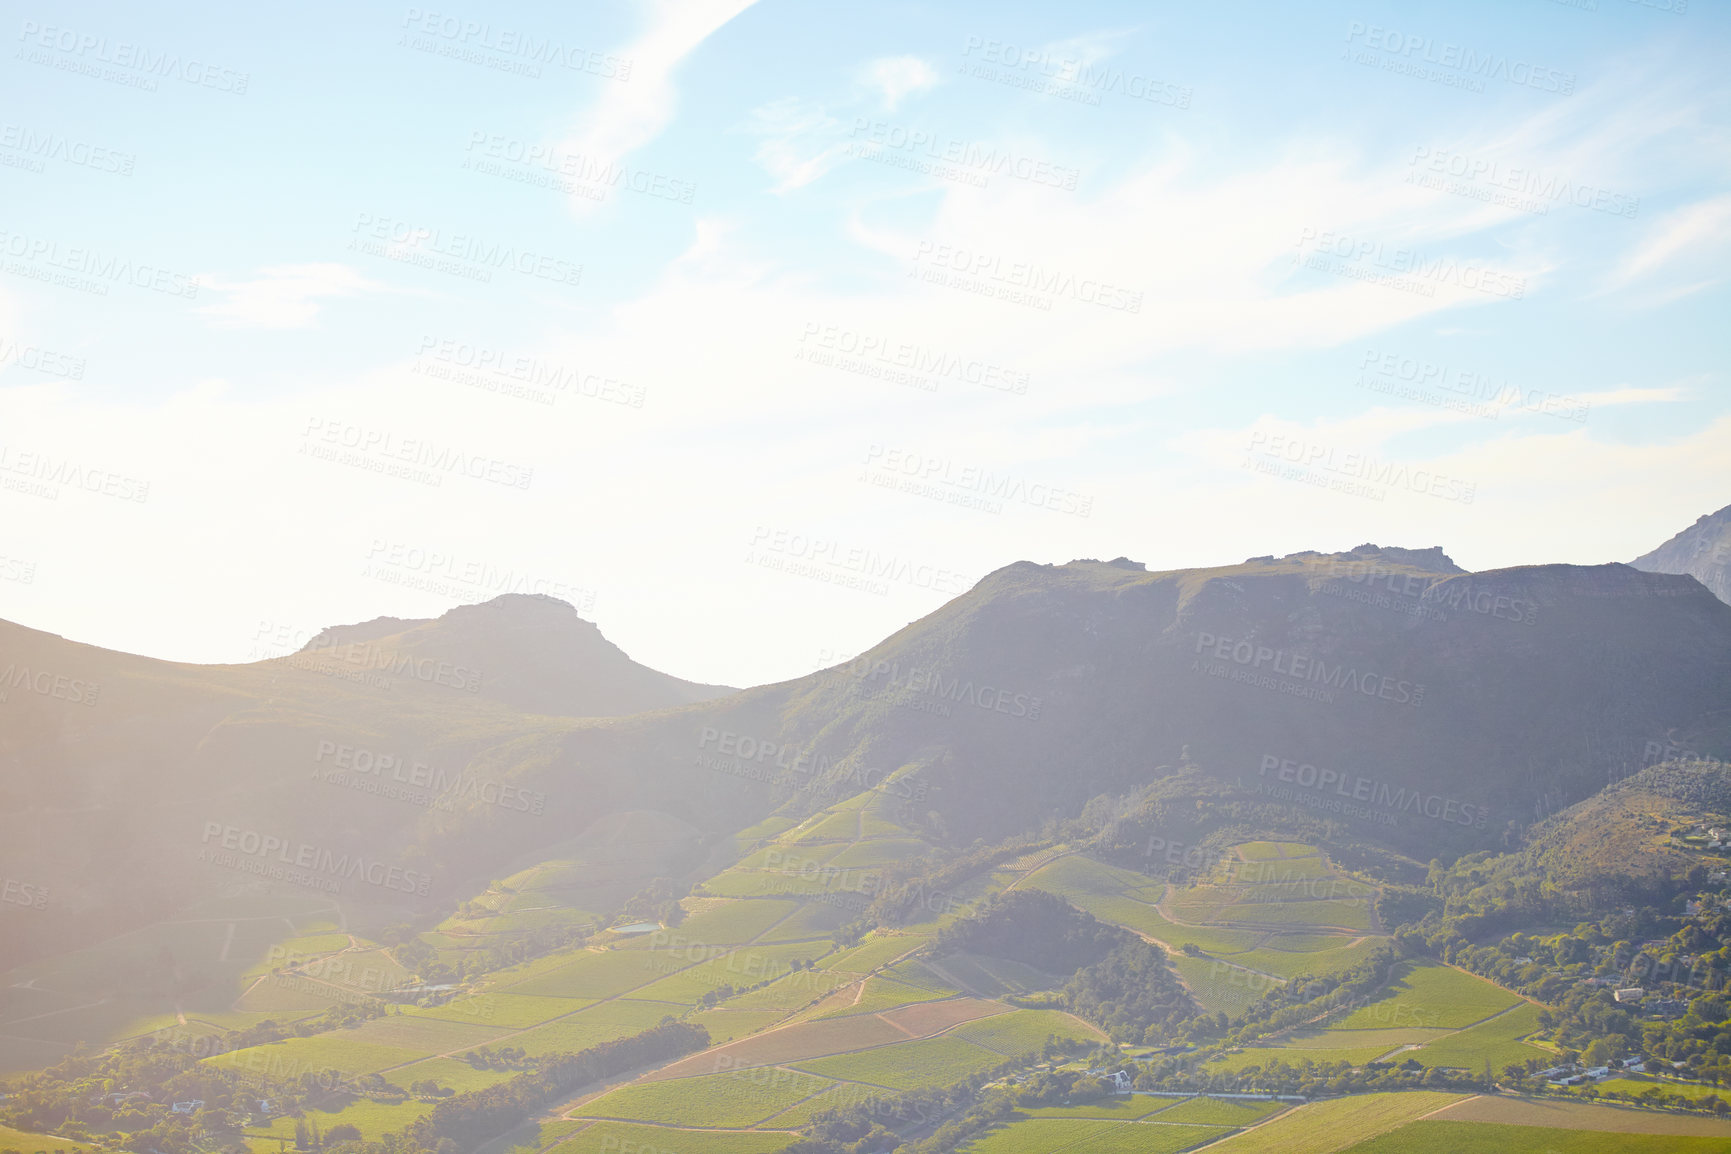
<point x="895" y="78"/>
<point x="630" y="115"/>
<point x="284" y="296"/>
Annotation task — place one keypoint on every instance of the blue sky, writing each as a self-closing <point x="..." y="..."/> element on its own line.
<point x="759" y="330"/>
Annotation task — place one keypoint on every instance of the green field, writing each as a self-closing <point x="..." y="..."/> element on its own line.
<point x="745" y="967"/>
<point x="624" y="1138"/>
<point x="1273" y="850"/>
<point x="732" y="1100"/>
<point x="591" y="974"/>
<point x="732" y="922"/>
<point x="1279" y="956"/>
<point x="1261" y="1056"/>
<point x="1496" y="1041"/>
<point x="597" y="1024"/>
<point x="453" y="1073"/>
<point x="507" y="1011"/>
<point x="1220" y="1111"/>
<point x="1335" y="1124"/>
<point x="28" y="1143"/>
<point x="1022" y="1031"/>
<point x="907" y="1065"/>
<point x="1494" y="1138"/>
<point x="1429" y="994"/>
<point x="317" y="1054"/>
<point x="876" y="950"/>
<point x="1086" y="1136"/>
<point x="1119" y="1107"/>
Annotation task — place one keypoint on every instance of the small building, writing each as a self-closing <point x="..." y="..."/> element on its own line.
<point x="188" y="1106"/>
<point x="1630" y="994"/>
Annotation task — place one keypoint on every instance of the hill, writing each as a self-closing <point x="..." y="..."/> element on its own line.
<point x="530" y="652"/>
<point x="1703" y="551"/>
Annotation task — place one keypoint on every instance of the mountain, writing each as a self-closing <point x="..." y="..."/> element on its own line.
<point x="1447" y="708"/>
<point x="122" y="776"/>
<point x="530" y="652"/>
<point x="1703" y="551"/>
<point x="1513" y="692"/>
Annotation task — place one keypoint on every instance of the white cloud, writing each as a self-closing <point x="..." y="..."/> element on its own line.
<point x="797" y="144"/>
<point x="895" y="78"/>
<point x="630" y="115"/>
<point x="1692" y="236"/>
<point x="285" y="296"/>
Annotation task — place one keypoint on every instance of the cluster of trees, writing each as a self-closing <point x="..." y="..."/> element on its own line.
<point x="504" y="1058"/>
<point x="469" y="1120"/>
<point x="1118" y="981"/>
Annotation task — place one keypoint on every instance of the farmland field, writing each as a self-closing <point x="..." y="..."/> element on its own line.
<point x="316" y="1054"/>
<point x="1496" y="1041"/>
<point x="732" y="922"/>
<point x="1434" y="1137"/>
<point x="1334" y="1125"/>
<point x="510" y="1011"/>
<point x="1578" y="1116"/>
<point x="1431" y="995"/>
<point x="1087" y="1136"/>
<point x="735" y="1099"/>
<point x="1119" y="1108"/>
<point x="599" y="1023"/>
<point x="1220" y="1111"/>
<point x="907" y="1065"/>
<point x="590" y="974"/>
<point x="11" y="1139"/>
<point x="617" y="1137"/>
<point x="1023" y="1031"/>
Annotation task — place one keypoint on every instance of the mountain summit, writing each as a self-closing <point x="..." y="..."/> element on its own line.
<point x="529" y="651"/>
<point x="1703" y="551"/>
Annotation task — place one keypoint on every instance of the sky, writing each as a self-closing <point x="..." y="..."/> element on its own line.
<point x="758" y="330"/>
